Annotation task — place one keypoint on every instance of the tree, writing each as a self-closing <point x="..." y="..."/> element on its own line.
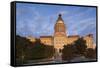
<point x="40" y="51"/>
<point x="26" y="50"/>
<point x="80" y="45"/>
<point x="22" y="51"/>
<point x="68" y="52"/>
<point x="90" y="53"/>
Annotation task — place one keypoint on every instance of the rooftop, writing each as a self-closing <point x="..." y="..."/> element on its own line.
<point x="73" y="36"/>
<point x="45" y="36"/>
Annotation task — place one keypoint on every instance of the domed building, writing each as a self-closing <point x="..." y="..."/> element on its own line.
<point x="60" y="37"/>
<point x="60" y="28"/>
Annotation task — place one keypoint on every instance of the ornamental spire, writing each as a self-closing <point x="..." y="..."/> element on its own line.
<point x="60" y="18"/>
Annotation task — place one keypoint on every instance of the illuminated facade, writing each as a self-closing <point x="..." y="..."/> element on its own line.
<point x="60" y="37"/>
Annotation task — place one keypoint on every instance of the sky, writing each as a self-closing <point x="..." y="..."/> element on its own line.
<point x="39" y="19"/>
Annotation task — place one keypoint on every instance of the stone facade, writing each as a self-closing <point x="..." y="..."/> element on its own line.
<point x="60" y="37"/>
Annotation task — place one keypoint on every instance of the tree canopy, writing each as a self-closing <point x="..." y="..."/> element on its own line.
<point x="26" y="50"/>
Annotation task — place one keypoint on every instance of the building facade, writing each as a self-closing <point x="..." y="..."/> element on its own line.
<point x="60" y="37"/>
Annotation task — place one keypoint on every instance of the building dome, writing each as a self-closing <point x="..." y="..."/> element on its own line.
<point x="60" y="26"/>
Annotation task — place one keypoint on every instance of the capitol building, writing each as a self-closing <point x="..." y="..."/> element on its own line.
<point x="61" y="38"/>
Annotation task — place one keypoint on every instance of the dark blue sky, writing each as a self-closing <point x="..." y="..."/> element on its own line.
<point x="38" y="20"/>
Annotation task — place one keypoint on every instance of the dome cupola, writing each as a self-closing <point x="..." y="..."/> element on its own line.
<point x="60" y="26"/>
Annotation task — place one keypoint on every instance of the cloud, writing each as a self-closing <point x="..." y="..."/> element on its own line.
<point x="33" y="21"/>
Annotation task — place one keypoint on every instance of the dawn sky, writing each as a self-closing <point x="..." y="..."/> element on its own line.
<point x="39" y="20"/>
